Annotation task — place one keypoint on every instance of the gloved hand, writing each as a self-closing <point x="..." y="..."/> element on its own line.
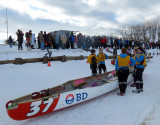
<point x="134" y="70"/>
<point x="116" y="73"/>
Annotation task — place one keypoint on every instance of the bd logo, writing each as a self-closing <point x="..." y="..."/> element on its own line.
<point x="70" y="99"/>
<point x="82" y="96"/>
<point x="79" y="97"/>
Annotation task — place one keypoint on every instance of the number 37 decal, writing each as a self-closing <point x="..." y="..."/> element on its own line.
<point x="35" y="107"/>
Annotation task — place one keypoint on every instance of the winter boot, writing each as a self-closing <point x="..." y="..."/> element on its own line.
<point x="94" y="74"/>
<point x="136" y="91"/>
<point x="133" y="85"/>
<point x="137" y="88"/>
<point x="121" y="87"/>
<point x="121" y="94"/>
<point x="141" y="87"/>
<point x="125" y="86"/>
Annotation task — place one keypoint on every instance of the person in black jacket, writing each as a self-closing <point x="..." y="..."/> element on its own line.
<point x="20" y="39"/>
<point x="10" y="41"/>
<point x="48" y="45"/>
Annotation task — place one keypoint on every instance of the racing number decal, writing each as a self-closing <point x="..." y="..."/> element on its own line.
<point x="49" y="103"/>
<point x="35" y="107"/>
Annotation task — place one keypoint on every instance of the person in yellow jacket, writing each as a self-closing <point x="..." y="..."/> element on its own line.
<point x="122" y="70"/>
<point x="93" y="60"/>
<point x="140" y="63"/>
<point x="101" y="61"/>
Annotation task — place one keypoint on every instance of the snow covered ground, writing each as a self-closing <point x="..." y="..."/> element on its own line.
<point x="109" y="109"/>
<point x="7" y="53"/>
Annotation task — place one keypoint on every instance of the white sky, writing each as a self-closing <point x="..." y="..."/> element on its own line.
<point x="88" y="16"/>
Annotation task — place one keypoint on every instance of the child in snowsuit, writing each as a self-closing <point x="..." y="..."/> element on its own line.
<point x="122" y="70"/>
<point x="140" y="63"/>
<point x="93" y="60"/>
<point x="101" y="61"/>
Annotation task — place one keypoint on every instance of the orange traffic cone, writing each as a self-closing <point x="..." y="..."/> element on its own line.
<point x="49" y="64"/>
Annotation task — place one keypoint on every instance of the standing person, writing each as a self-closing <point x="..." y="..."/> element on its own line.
<point x="57" y="41"/>
<point x="122" y="70"/>
<point x="101" y="61"/>
<point x="45" y="38"/>
<point x="68" y="41"/>
<point x="41" y="39"/>
<point x="29" y="40"/>
<point x="72" y="40"/>
<point x="75" y="41"/>
<point x="126" y="43"/>
<point x="133" y="44"/>
<point x="93" y="60"/>
<point x="48" y="45"/>
<point x="53" y="41"/>
<point x="10" y="41"/>
<point x="135" y="52"/>
<point x="103" y="42"/>
<point x="39" y="43"/>
<point x="92" y="42"/>
<point x="20" y="39"/>
<point x="64" y="41"/>
<point x="34" y="41"/>
<point x="111" y="39"/>
<point x="99" y="41"/>
<point x="140" y="63"/>
<point x="116" y="43"/>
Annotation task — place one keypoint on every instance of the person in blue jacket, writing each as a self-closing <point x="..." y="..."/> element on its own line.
<point x="140" y="63"/>
<point x="101" y="61"/>
<point x="122" y="70"/>
<point x="126" y="43"/>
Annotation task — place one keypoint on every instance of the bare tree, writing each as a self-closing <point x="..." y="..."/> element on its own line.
<point x="123" y="31"/>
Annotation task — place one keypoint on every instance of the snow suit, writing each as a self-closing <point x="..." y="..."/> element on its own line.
<point x="122" y="70"/>
<point x="140" y="63"/>
<point x="101" y="62"/>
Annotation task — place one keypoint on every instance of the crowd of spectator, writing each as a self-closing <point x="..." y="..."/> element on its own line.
<point x="67" y="40"/>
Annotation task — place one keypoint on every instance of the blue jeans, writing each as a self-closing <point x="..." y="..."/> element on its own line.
<point x="48" y="52"/>
<point x="57" y="45"/>
<point x="42" y="45"/>
<point x="10" y="44"/>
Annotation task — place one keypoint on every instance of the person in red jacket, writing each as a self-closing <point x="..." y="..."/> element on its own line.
<point x="103" y="42"/>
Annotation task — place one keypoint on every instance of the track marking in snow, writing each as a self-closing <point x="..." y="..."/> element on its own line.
<point x="150" y="118"/>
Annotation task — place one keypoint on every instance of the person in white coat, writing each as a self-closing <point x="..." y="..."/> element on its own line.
<point x="34" y="41"/>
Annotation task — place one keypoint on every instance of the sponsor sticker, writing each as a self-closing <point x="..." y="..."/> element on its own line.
<point x="70" y="99"/>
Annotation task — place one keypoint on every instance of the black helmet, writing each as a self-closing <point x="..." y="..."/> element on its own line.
<point x="93" y="51"/>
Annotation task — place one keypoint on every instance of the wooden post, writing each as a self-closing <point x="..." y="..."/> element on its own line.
<point x="63" y="58"/>
<point x="45" y="59"/>
<point x="18" y="61"/>
<point x="81" y="57"/>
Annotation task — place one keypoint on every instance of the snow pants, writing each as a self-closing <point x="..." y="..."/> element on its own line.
<point x="93" y="68"/>
<point x="134" y="76"/>
<point x="20" y="45"/>
<point x="138" y="78"/>
<point x="122" y="79"/>
<point x="102" y="67"/>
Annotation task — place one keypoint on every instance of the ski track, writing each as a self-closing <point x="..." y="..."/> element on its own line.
<point x="109" y="109"/>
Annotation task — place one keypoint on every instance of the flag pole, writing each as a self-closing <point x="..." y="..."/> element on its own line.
<point x="7" y="23"/>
